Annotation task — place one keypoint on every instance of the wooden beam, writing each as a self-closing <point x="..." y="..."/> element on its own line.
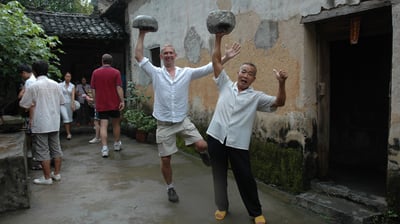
<point x="346" y="10"/>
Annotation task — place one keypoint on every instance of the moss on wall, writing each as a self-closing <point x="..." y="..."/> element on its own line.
<point x="181" y="143"/>
<point x="279" y="166"/>
<point x="271" y="163"/>
<point x="393" y="192"/>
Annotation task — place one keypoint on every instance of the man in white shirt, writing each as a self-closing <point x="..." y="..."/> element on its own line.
<point x="47" y="97"/>
<point x="26" y="74"/>
<point x="171" y="99"/>
<point x="230" y="131"/>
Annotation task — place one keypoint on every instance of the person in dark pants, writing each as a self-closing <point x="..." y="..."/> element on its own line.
<point x="230" y="131"/>
<point x="171" y="102"/>
<point x="84" y="113"/>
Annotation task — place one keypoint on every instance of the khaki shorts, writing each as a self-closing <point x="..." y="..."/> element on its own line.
<point x="46" y="146"/>
<point x="166" y="135"/>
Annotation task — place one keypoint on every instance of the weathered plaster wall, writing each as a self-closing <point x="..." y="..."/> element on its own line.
<point x="394" y="131"/>
<point x="271" y="36"/>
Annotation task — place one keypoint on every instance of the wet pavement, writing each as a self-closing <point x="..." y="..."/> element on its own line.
<point x="127" y="187"/>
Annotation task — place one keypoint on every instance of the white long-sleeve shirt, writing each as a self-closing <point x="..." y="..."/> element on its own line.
<point x="171" y="96"/>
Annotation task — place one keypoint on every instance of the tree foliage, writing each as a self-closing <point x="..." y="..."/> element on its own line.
<point x="21" y="41"/>
<point x="72" y="6"/>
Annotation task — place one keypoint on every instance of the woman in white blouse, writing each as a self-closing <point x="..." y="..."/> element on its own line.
<point x="68" y="90"/>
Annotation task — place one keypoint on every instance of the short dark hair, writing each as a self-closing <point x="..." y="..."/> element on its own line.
<point x="107" y="59"/>
<point x="40" y="68"/>
<point x="252" y="65"/>
<point x="24" y="68"/>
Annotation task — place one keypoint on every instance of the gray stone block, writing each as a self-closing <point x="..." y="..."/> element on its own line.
<point x="221" y="21"/>
<point x="145" y="22"/>
<point x="14" y="186"/>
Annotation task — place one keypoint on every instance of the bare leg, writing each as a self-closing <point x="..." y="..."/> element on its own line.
<point x="103" y="131"/>
<point x="166" y="169"/>
<point x="46" y="168"/>
<point x="57" y="165"/>
<point x="68" y="129"/>
<point x="116" y="123"/>
<point x="200" y="145"/>
<point x="97" y="128"/>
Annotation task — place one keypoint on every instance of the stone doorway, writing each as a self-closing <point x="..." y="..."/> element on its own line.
<point x="354" y="84"/>
<point x="359" y="112"/>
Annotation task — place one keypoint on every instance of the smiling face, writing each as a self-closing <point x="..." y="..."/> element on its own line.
<point x="246" y="76"/>
<point x="168" y="56"/>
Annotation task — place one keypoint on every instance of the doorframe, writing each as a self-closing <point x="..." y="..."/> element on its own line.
<point x="323" y="38"/>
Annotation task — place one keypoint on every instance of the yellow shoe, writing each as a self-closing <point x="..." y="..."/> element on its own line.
<point x="260" y="220"/>
<point x="219" y="215"/>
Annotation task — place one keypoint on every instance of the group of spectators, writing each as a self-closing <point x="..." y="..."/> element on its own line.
<point x="46" y="102"/>
<point x="77" y="106"/>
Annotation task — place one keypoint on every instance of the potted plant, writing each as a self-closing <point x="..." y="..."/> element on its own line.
<point x="136" y="114"/>
<point x="142" y="122"/>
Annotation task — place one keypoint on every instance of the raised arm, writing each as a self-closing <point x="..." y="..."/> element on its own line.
<point x="139" y="46"/>
<point x="230" y="53"/>
<point x="216" y="56"/>
<point x="281" y="96"/>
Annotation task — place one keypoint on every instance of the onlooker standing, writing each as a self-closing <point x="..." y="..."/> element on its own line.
<point x="83" y="114"/>
<point x="230" y="131"/>
<point x="96" y="122"/>
<point x="67" y="110"/>
<point x="26" y="74"/>
<point x="108" y="97"/>
<point x="171" y="97"/>
<point x="47" y="97"/>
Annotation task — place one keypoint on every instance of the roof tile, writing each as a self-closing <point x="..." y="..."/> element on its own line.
<point x="77" y="26"/>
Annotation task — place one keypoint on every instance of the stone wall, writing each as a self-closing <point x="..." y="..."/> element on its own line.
<point x="14" y="187"/>
<point x="393" y="187"/>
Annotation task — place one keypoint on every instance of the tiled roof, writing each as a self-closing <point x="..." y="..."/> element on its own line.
<point x="77" y="26"/>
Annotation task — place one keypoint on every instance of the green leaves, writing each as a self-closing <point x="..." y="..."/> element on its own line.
<point x="135" y="112"/>
<point x="140" y="120"/>
<point x="22" y="41"/>
<point x="78" y="6"/>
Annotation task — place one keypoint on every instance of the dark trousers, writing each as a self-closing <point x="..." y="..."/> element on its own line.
<point x="221" y="155"/>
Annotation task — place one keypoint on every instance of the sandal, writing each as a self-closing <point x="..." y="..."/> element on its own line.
<point x="260" y="220"/>
<point x="219" y="215"/>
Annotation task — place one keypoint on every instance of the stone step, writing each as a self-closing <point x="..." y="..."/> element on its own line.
<point x="337" y="210"/>
<point x="373" y="202"/>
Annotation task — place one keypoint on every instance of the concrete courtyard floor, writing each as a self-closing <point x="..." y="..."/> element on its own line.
<point x="128" y="187"/>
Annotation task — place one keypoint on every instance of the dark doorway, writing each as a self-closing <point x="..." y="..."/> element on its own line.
<point x="359" y="112"/>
